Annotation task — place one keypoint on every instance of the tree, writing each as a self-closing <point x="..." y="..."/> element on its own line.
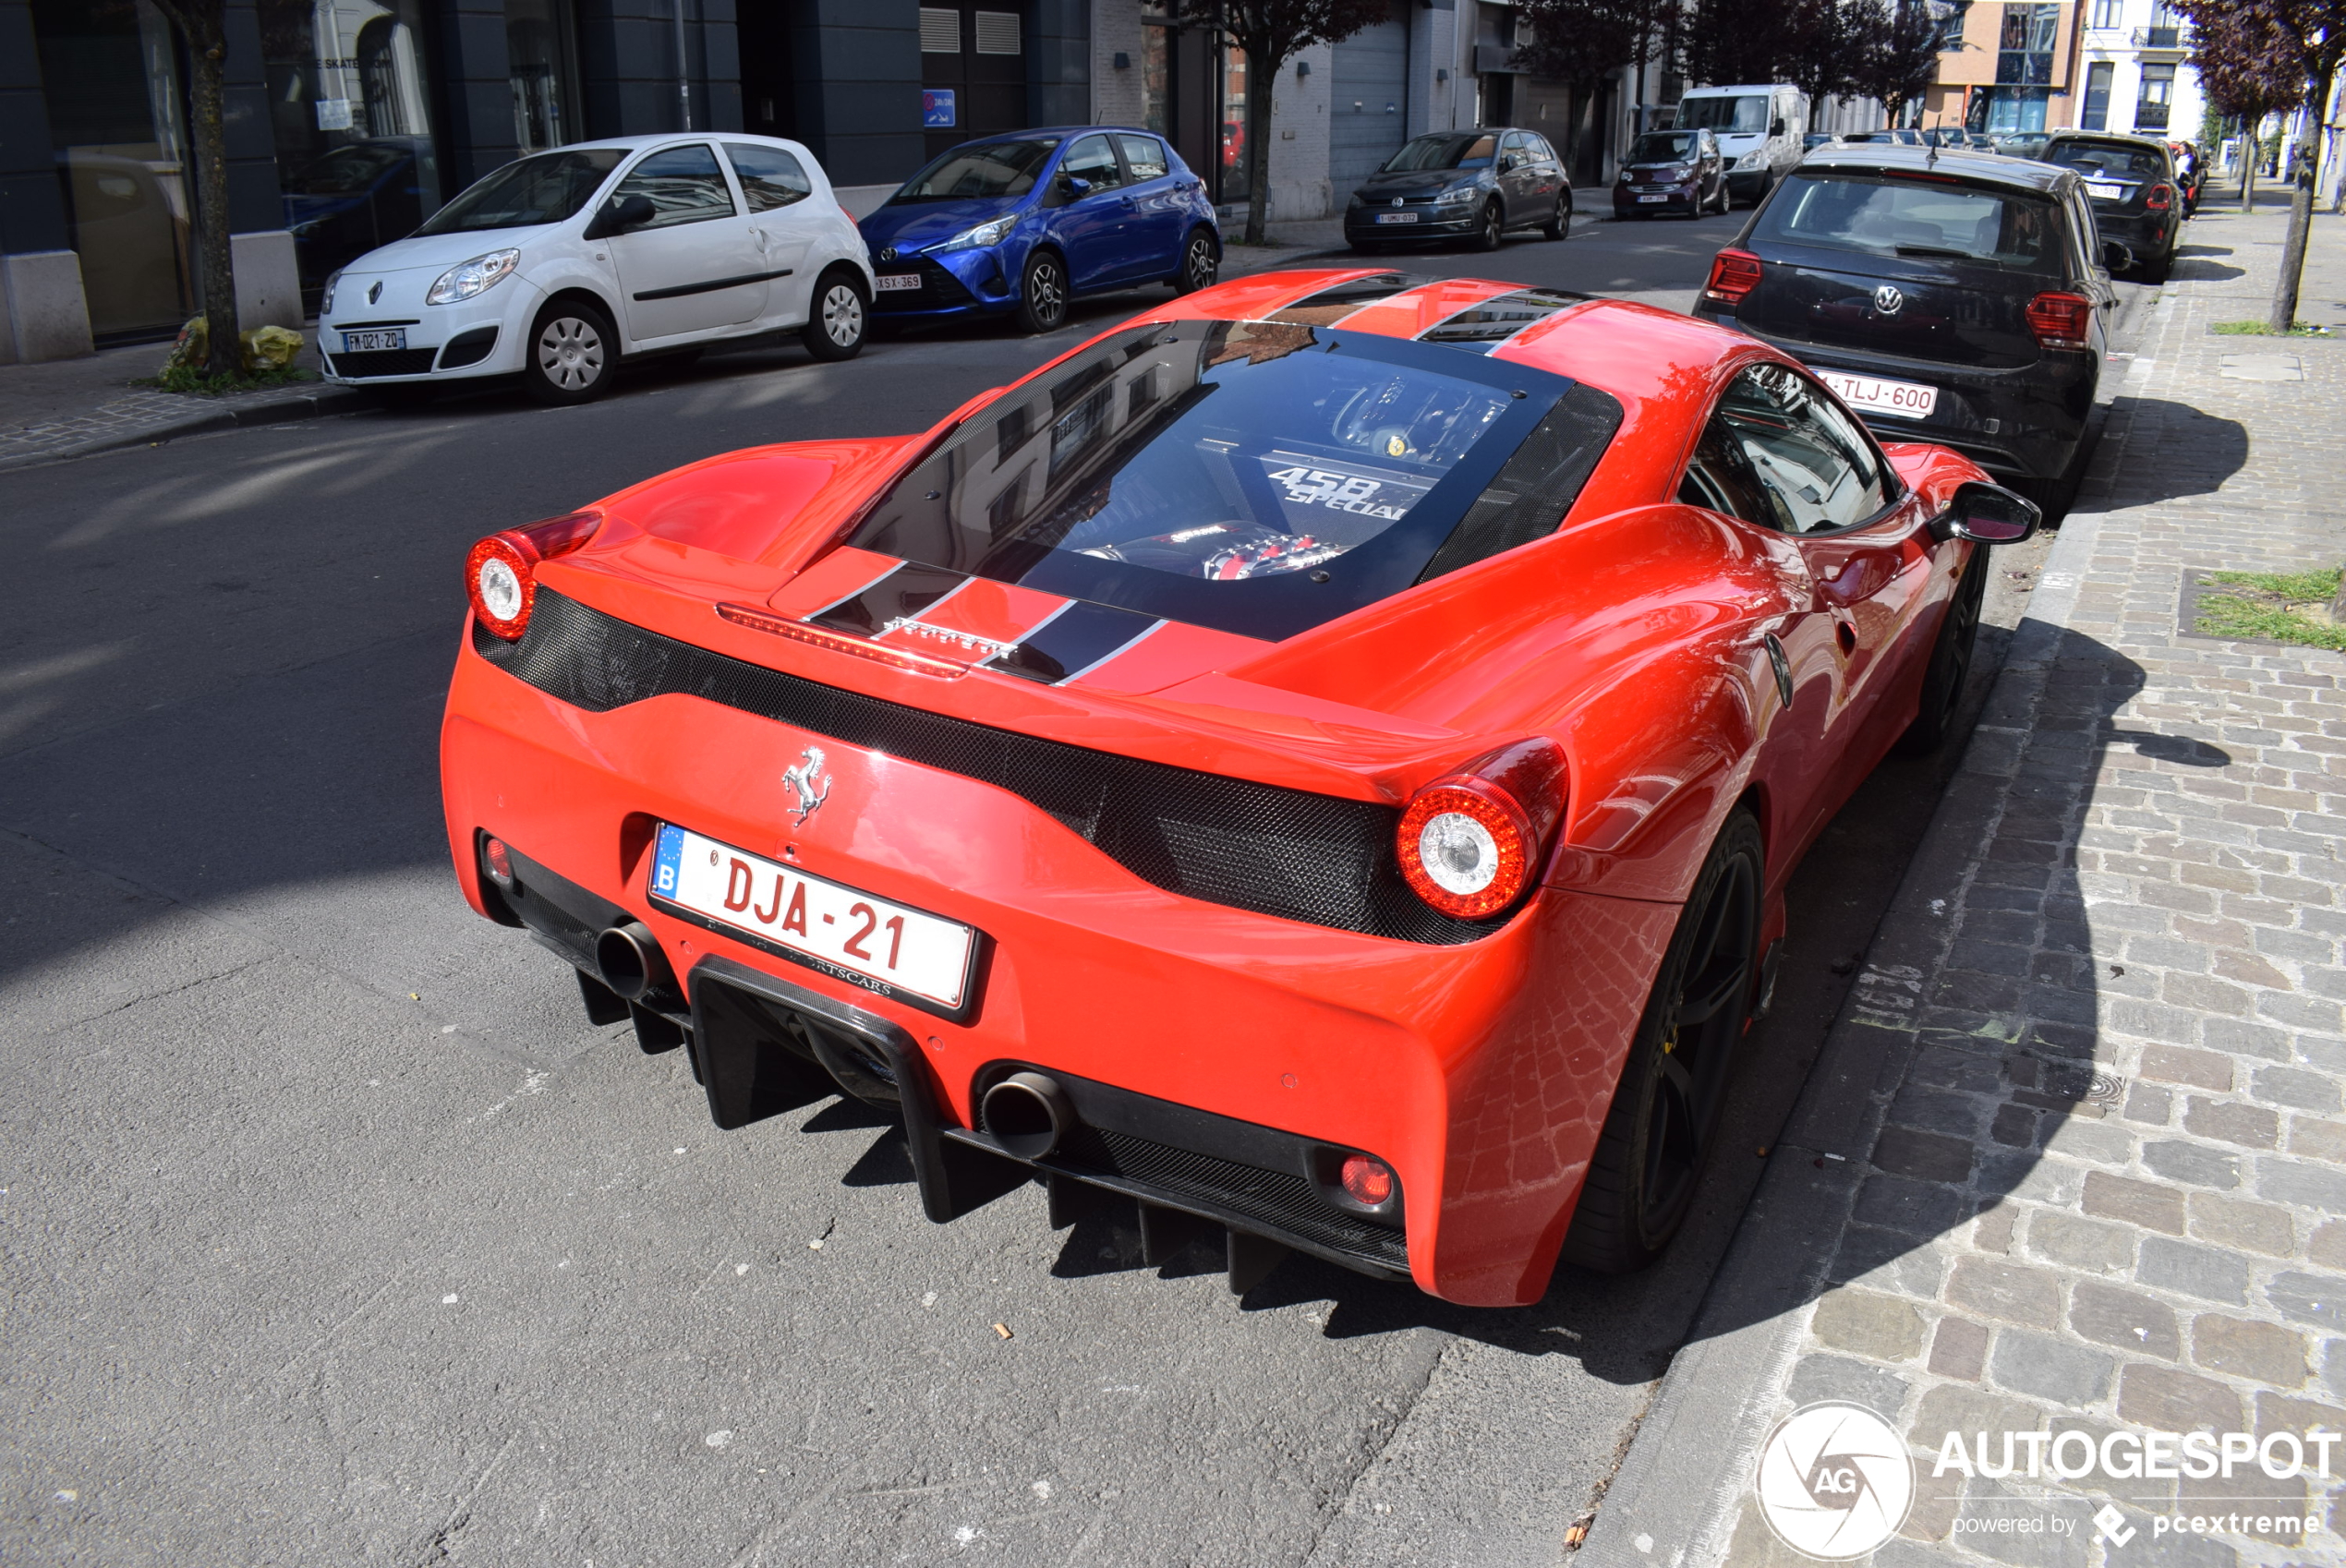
<point x="1896" y="51"/>
<point x="1270" y="33"/>
<point x="2247" y="70"/>
<point x="203" y="28"/>
<point x="1738" y="41"/>
<point x="1579" y="42"/>
<point x="1822" y="43"/>
<point x="2306" y="41"/>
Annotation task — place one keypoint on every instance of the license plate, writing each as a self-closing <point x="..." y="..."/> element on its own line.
<point x="1397" y="217"/>
<point x="1872" y="394"/>
<point x="2106" y="192"/>
<point x="381" y="337"/>
<point x="1663" y="198"/>
<point x="854" y="937"/>
<point x="896" y="282"/>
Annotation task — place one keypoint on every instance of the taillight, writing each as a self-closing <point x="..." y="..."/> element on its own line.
<point x="500" y="571"/>
<point x="1471" y="841"/>
<point x="499" y="862"/>
<point x="2159" y="199"/>
<point x="1733" y="273"/>
<point x="1367" y="1180"/>
<point x="2060" y="320"/>
<point x="841" y="642"/>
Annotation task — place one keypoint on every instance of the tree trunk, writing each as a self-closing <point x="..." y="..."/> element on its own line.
<point x="1259" y="82"/>
<point x="203" y="28"/>
<point x="2301" y="208"/>
<point x="2249" y="152"/>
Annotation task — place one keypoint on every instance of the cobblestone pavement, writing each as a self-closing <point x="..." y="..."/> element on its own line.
<point x="2076" y="1156"/>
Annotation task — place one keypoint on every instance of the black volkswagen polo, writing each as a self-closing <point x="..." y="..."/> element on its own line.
<point x="1951" y="297"/>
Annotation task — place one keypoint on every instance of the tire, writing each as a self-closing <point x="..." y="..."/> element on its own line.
<point x="1950" y="665"/>
<point x="1200" y="263"/>
<point x="1042" y="294"/>
<point x="838" y="319"/>
<point x="1560" y="225"/>
<point x="572" y="353"/>
<point x="1648" y="1158"/>
<point x="2155" y="273"/>
<point x="1493" y="229"/>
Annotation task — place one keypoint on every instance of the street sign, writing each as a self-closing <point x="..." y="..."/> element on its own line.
<point x="937" y="109"/>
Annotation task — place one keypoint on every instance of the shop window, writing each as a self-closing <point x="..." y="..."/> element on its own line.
<point x="541" y="61"/>
<point x="114" y="104"/>
<point x="349" y="106"/>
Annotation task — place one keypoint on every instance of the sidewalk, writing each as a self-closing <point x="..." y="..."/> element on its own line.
<point x="2074" y="1156"/>
<point x="69" y="406"/>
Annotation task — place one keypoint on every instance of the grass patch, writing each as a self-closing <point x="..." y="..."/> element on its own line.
<point x="187" y="379"/>
<point x="2263" y="607"/>
<point x="2259" y="330"/>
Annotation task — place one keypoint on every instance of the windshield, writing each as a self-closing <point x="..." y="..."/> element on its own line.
<point x="988" y="169"/>
<point x="1469" y="150"/>
<point x="1661" y="147"/>
<point x="1258" y="476"/>
<point x="544" y="189"/>
<point x="347" y="170"/>
<point x="1892" y="216"/>
<point x="1738" y="116"/>
<point x="2107" y="159"/>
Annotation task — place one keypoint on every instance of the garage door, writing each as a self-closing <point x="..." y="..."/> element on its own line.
<point x="1368" y="114"/>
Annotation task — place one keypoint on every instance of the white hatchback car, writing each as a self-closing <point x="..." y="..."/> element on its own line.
<point x="559" y="265"/>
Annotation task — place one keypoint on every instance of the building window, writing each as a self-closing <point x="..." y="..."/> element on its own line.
<point x="2094" y="116"/>
<point x="1236" y="186"/>
<point x="2154" y="98"/>
<point x="2109" y="13"/>
<point x="940" y="30"/>
<point x="541" y="62"/>
<point x="1951" y="20"/>
<point x="997" y="32"/>
<point x="2025" y="48"/>
<point x="1157" y="76"/>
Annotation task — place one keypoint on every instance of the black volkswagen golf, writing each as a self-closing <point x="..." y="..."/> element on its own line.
<point x="1951" y="297"/>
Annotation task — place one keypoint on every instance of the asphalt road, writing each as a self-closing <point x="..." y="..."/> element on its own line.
<point x="333" y="1233"/>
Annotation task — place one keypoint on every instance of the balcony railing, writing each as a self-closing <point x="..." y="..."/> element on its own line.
<point x="2164" y="38"/>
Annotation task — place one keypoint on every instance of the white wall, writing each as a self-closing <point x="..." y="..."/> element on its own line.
<point x="1299" y="184"/>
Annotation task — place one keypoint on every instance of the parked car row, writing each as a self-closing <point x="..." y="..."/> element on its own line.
<point x="558" y="267"/>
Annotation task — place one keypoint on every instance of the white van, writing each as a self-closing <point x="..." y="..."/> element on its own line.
<point x="1759" y="129"/>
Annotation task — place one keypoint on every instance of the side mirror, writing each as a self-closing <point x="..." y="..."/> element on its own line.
<point x="620" y="215"/>
<point x="1077" y="188"/>
<point x="1988" y="514"/>
<point x="2116" y="257"/>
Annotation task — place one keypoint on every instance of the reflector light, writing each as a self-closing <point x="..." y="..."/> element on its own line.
<point x="501" y="571"/>
<point x="1367" y="1180"/>
<point x="839" y="642"/>
<point x="500" y="861"/>
<point x="2059" y="320"/>
<point x="1470" y="842"/>
<point x="1733" y="273"/>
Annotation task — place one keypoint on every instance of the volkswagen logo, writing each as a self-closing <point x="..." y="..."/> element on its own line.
<point x="1888" y="301"/>
<point x="1397" y="201"/>
<point x="887" y="255"/>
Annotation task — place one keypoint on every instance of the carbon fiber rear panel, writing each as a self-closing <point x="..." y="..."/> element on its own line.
<point x="1318" y="859"/>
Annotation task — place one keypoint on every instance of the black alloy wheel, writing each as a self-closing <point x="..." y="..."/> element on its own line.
<point x="1200" y="264"/>
<point x="1493" y="228"/>
<point x="1649" y="1157"/>
<point x="1560" y="224"/>
<point x="1950" y="667"/>
<point x="839" y="319"/>
<point x="573" y="352"/>
<point x="1042" y="306"/>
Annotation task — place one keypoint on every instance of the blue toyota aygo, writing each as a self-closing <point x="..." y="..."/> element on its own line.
<point x="1023" y="222"/>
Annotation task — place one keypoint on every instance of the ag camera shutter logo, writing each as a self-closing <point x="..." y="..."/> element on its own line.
<point x="1833" y="1481"/>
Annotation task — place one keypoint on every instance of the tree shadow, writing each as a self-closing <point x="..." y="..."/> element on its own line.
<point x="2175" y="452"/>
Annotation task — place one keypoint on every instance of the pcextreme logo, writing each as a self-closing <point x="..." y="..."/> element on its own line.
<point x="1833" y="1480"/>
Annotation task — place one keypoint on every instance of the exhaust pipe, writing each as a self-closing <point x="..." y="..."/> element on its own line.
<point x="629" y="960"/>
<point x="1027" y="1113"/>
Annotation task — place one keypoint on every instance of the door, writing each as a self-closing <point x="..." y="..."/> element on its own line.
<point x="775" y="189"/>
<point x="972" y="72"/>
<point x="1090" y="227"/>
<point x="1159" y="214"/>
<point x="693" y="267"/>
<point x="1368" y="112"/>
<point x="1517" y="178"/>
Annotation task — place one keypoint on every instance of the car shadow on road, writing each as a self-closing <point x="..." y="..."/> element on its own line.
<point x="2196" y="263"/>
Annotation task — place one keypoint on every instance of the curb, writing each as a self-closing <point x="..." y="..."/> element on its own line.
<point x="315" y="405"/>
<point x="1674" y="1502"/>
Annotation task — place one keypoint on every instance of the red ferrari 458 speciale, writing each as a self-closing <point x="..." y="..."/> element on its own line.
<point x="1321" y="760"/>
